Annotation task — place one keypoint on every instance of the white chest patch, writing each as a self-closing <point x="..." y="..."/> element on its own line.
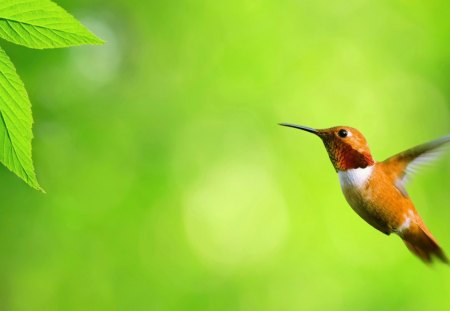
<point x="357" y="177"/>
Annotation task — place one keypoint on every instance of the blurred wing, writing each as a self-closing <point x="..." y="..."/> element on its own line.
<point x="407" y="163"/>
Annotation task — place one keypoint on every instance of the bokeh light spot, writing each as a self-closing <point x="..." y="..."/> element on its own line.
<point x="98" y="65"/>
<point x="235" y="216"/>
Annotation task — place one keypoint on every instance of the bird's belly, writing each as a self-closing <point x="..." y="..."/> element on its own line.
<point x="357" y="199"/>
<point x="360" y="196"/>
<point x="361" y="203"/>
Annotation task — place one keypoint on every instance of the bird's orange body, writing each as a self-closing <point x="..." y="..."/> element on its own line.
<point x="375" y="190"/>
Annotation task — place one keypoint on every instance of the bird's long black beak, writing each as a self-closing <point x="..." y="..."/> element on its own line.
<point x="300" y="127"/>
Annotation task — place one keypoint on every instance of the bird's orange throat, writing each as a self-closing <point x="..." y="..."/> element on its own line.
<point x="344" y="157"/>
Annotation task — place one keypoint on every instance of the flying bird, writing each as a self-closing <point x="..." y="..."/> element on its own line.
<point x="376" y="190"/>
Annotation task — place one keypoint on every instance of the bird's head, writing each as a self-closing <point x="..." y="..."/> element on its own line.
<point x="346" y="146"/>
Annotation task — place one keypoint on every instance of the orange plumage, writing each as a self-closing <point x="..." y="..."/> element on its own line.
<point x="375" y="190"/>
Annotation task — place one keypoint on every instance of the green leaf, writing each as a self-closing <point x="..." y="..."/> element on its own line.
<point x="15" y="123"/>
<point x="41" y="24"/>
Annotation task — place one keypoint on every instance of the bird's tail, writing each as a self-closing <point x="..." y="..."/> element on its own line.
<point x="421" y="243"/>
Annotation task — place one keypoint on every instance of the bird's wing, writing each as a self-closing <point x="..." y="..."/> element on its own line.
<point x="406" y="163"/>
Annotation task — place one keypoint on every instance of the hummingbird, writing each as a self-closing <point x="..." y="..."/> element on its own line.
<point x="376" y="190"/>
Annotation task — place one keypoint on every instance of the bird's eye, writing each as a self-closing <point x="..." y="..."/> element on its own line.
<point x="343" y="133"/>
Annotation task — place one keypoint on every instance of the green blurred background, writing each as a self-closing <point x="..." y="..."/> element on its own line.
<point x="170" y="186"/>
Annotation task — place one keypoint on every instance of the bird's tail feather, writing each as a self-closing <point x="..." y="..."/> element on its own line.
<point x="421" y="243"/>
